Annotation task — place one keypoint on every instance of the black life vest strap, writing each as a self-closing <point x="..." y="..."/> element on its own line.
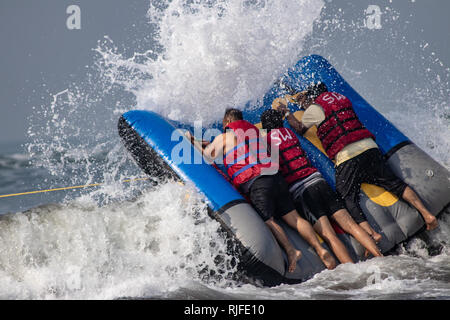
<point x="339" y="124"/>
<point x="289" y="148"/>
<point x="288" y="162"/>
<point x="347" y="132"/>
<point x="334" y="115"/>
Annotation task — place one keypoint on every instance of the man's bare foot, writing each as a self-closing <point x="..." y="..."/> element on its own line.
<point x="367" y="254"/>
<point x="432" y="222"/>
<point x="293" y="257"/>
<point x="376" y="237"/>
<point x="327" y="259"/>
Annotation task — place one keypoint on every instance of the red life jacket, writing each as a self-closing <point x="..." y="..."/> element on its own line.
<point x="294" y="164"/>
<point x="341" y="126"/>
<point x="248" y="158"/>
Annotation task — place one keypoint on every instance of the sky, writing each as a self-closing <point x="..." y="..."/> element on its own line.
<point x="40" y="56"/>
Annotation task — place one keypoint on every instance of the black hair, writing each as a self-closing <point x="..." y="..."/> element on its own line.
<point x="233" y="115"/>
<point x="315" y="90"/>
<point x="272" y="119"/>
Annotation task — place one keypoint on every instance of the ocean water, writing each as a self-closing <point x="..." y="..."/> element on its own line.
<point x="141" y="240"/>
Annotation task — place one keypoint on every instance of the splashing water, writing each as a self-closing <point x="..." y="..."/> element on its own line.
<point x="217" y="54"/>
<point x="82" y="251"/>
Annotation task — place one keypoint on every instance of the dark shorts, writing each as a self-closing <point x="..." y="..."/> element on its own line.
<point x="270" y="197"/>
<point x="318" y="200"/>
<point x="368" y="167"/>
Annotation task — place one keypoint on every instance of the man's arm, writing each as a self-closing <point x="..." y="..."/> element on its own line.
<point x="215" y="148"/>
<point x="210" y="150"/>
<point x="202" y="143"/>
<point x="293" y="122"/>
<point x="199" y="145"/>
<point x="296" y="125"/>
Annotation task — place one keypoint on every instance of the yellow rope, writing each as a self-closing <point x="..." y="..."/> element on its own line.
<point x="66" y="188"/>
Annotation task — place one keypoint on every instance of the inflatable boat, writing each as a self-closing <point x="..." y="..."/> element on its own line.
<point x="155" y="142"/>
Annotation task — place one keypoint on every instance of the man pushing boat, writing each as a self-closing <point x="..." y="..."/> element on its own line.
<point x="255" y="175"/>
<point x="352" y="146"/>
<point x="309" y="190"/>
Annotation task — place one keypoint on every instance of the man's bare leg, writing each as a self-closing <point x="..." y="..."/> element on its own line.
<point x="375" y="235"/>
<point x="346" y="222"/>
<point x="305" y="229"/>
<point x="324" y="228"/>
<point x="293" y="254"/>
<point x="411" y="197"/>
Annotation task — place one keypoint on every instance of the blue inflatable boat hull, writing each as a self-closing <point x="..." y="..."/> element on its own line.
<point x="157" y="144"/>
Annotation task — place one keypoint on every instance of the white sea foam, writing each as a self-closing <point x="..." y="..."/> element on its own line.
<point x="147" y="247"/>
